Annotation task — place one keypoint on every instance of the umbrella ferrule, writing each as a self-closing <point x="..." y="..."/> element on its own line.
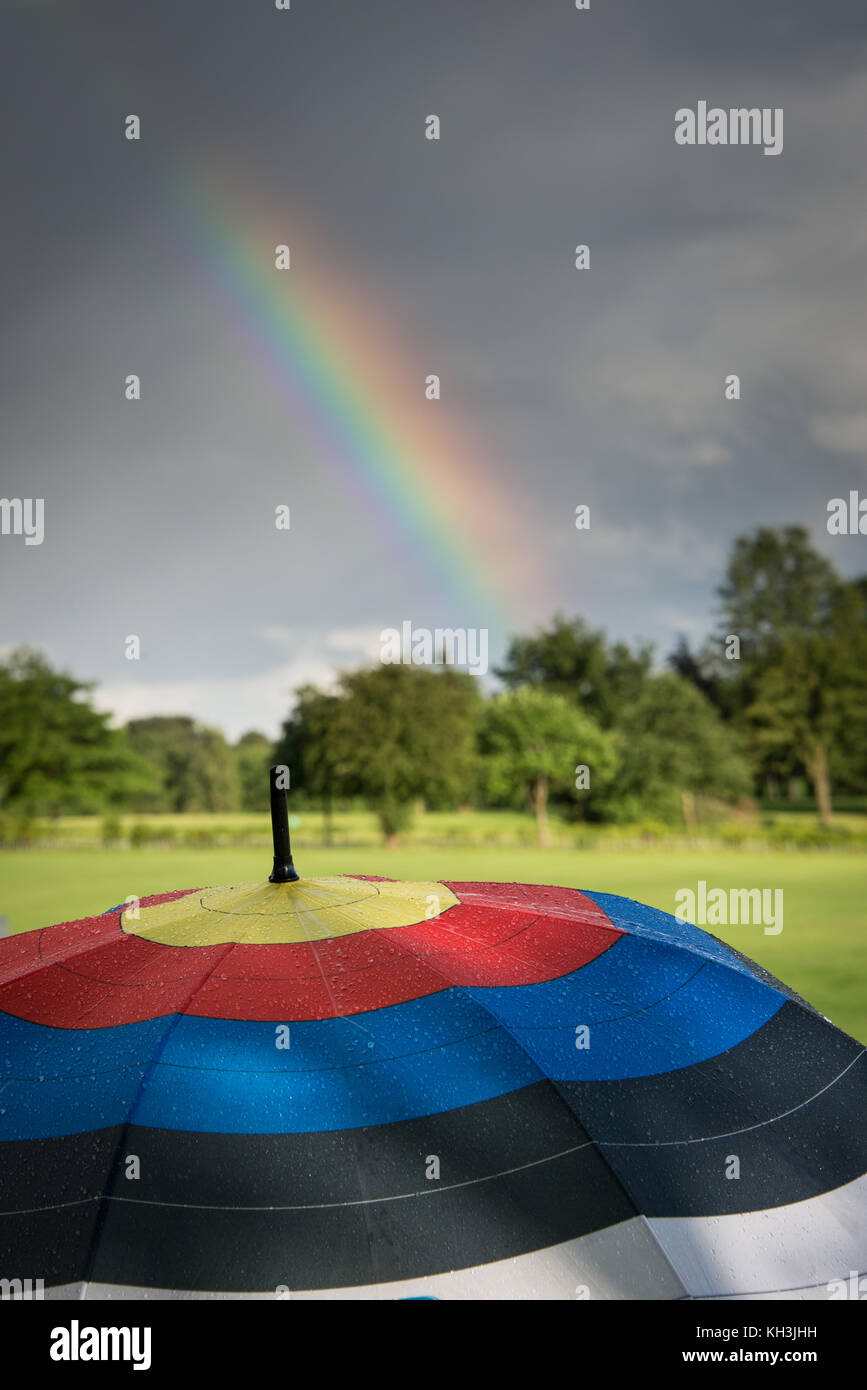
<point x="284" y="870"/>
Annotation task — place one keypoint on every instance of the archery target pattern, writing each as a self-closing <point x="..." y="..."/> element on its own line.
<point x="574" y="1063"/>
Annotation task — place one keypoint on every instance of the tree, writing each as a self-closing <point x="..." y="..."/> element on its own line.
<point x="848" y="756"/>
<point x="253" y="757"/>
<point x="673" y="746"/>
<point x="811" y="699"/>
<point x="57" y="753"/>
<point x="311" y="745"/>
<point x="706" y="670"/>
<point x="803" y="634"/>
<point x="571" y="659"/>
<point x="532" y="741"/>
<point x="391" y="735"/>
<point x="776" y="586"/>
<point x="194" y="767"/>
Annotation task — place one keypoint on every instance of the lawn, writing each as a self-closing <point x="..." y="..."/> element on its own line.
<point x="821" y="952"/>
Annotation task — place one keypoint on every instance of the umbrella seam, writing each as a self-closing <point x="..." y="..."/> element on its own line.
<point x="732" y="1133"/>
<point x="316" y="1206"/>
<point x="547" y="1080"/>
<point x="115" y="1164"/>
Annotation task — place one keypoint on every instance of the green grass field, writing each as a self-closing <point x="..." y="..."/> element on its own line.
<point x="821" y="952"/>
<point x="470" y="829"/>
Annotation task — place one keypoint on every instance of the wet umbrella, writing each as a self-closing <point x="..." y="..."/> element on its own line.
<point x="354" y="1087"/>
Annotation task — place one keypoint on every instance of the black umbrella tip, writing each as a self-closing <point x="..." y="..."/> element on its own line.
<point x="284" y="870"/>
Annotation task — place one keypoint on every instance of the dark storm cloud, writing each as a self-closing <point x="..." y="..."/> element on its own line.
<point x="602" y="386"/>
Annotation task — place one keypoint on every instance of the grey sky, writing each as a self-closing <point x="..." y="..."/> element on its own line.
<point x="603" y="386"/>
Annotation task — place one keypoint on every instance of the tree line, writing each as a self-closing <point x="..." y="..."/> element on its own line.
<point x="591" y="728"/>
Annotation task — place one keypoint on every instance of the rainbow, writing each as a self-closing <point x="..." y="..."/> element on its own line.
<point x="342" y="361"/>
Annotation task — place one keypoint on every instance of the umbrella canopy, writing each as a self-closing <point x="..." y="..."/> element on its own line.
<point x="353" y="1087"/>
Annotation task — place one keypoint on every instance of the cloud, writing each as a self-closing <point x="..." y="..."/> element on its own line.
<point x="843" y="433"/>
<point x="602" y="386"/>
<point x="236" y="704"/>
<point x="360" y="643"/>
